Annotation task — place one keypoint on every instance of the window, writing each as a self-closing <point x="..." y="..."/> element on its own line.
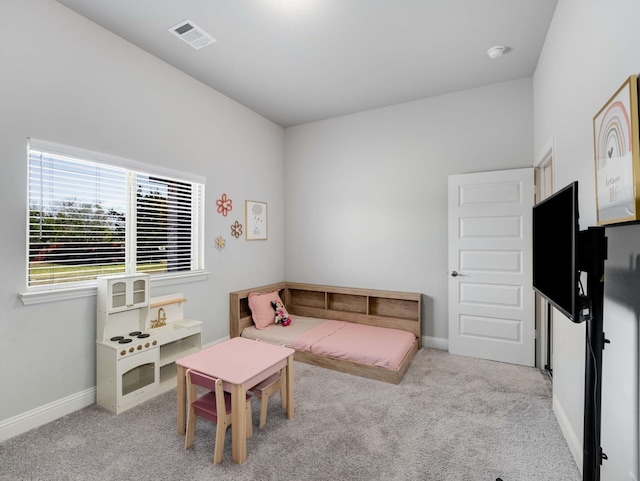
<point x="92" y="215"/>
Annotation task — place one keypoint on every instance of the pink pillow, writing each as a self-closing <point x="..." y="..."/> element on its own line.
<point x="262" y="311"/>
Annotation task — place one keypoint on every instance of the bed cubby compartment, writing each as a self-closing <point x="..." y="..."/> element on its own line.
<point x="244" y="307"/>
<point x="402" y="308"/>
<point x="347" y="303"/>
<point x="305" y="298"/>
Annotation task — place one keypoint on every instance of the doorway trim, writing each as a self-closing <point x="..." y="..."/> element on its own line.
<point x="544" y="323"/>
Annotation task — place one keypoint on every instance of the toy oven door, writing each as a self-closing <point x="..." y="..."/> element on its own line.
<point x="138" y="376"/>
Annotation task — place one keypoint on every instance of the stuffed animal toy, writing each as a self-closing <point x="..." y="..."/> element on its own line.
<point x="281" y="315"/>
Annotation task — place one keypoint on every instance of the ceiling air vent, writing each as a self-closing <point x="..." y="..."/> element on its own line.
<point x="192" y="34"/>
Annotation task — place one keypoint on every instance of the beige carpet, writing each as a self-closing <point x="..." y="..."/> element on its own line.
<point x="451" y="419"/>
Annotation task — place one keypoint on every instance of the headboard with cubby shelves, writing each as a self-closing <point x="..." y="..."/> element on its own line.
<point x="392" y="309"/>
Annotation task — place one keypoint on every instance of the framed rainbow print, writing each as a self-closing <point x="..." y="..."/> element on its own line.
<point x="617" y="158"/>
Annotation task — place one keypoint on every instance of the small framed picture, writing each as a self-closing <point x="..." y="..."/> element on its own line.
<point x="255" y="220"/>
<point x="615" y="135"/>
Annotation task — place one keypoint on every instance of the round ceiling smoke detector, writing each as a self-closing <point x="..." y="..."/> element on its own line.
<point x="495" y="52"/>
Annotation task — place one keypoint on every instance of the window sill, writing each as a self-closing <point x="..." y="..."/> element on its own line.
<point x="41" y="297"/>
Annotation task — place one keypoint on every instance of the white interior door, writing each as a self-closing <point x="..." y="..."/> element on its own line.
<point x="491" y="299"/>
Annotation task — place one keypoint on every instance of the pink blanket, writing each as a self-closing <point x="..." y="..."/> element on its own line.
<point x="376" y="346"/>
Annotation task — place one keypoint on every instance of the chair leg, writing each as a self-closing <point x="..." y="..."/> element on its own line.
<point x="221" y="431"/>
<point x="191" y="428"/>
<point x="263" y="409"/>
<point x="283" y="393"/>
<point x="249" y="420"/>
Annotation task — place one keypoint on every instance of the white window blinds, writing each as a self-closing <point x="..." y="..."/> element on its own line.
<point x="88" y="218"/>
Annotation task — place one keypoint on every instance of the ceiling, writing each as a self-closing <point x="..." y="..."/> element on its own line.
<point x="298" y="61"/>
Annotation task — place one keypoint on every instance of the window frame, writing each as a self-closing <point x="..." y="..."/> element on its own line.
<point x="61" y="291"/>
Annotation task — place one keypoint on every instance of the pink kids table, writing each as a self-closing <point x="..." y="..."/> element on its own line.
<point x="241" y="364"/>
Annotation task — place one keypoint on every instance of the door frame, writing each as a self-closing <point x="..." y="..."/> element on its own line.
<point x="544" y="159"/>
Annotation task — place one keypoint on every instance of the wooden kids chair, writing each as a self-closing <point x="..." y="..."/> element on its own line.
<point x="266" y="388"/>
<point x="215" y="406"/>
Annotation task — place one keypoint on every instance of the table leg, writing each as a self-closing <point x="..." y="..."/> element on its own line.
<point x="289" y="381"/>
<point x="238" y="423"/>
<point x="181" y="400"/>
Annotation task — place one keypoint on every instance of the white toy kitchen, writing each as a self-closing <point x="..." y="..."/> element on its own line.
<point x="138" y="339"/>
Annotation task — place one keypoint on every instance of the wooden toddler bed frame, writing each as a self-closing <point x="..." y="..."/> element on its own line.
<point x="390" y="309"/>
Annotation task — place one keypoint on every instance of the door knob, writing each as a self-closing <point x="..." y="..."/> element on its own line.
<point x="454" y="274"/>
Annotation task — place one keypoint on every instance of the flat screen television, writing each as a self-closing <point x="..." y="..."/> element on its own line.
<point x="556" y="235"/>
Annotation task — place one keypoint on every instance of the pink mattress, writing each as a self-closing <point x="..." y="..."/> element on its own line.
<point x="376" y="346"/>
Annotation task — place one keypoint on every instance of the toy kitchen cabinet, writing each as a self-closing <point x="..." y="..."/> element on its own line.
<point x="138" y="340"/>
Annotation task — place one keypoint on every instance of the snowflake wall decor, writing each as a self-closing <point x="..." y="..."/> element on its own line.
<point x="220" y="242"/>
<point x="236" y="229"/>
<point x="224" y="205"/>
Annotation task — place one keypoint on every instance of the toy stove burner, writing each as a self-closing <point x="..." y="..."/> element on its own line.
<point x="123" y="340"/>
<point x="140" y="340"/>
<point x="127" y="340"/>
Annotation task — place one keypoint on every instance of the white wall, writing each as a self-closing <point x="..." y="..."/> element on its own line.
<point x="367" y="193"/>
<point x="591" y="48"/>
<point x="67" y="80"/>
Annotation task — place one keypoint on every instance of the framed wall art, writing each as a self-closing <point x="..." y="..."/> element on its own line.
<point x="617" y="158"/>
<point x="255" y="220"/>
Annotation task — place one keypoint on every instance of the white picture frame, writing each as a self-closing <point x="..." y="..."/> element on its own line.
<point x="255" y="220"/>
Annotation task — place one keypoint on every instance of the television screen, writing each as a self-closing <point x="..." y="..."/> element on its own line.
<point x="555" y="250"/>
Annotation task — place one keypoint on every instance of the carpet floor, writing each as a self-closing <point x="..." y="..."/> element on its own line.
<point x="452" y="418"/>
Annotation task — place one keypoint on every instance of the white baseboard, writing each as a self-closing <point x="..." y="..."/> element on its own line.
<point x="435" y="343"/>
<point x="575" y="445"/>
<point x="42" y="415"/>
<point x="45" y="414"/>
